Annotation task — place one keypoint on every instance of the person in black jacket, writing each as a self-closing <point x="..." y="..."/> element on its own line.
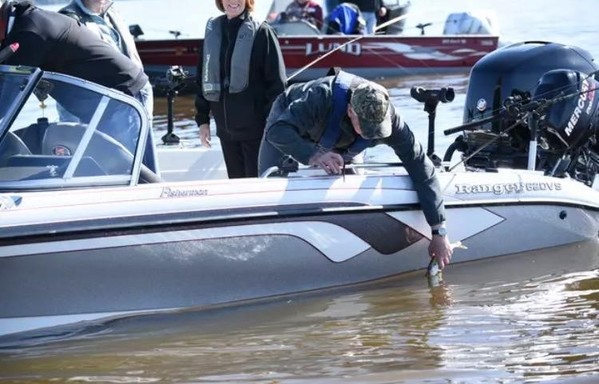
<point x="55" y="42"/>
<point x="101" y="17"/>
<point x="240" y="73"/>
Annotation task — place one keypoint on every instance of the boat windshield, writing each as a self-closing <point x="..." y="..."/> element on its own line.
<point x="57" y="131"/>
<point x="14" y="82"/>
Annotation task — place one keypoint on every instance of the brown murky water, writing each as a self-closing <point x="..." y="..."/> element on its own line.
<point x="520" y="319"/>
<point x="525" y="318"/>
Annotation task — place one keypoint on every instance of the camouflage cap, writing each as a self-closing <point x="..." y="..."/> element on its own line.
<point x="371" y="103"/>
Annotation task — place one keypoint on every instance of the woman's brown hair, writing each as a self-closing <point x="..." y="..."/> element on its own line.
<point x="249" y="5"/>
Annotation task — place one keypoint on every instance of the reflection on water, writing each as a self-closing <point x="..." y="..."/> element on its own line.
<point x="530" y="317"/>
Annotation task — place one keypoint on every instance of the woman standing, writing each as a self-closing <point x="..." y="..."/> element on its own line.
<point x="240" y="73"/>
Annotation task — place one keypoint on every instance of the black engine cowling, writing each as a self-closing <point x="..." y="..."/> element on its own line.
<point x="569" y="123"/>
<point x="515" y="71"/>
<point x="528" y="74"/>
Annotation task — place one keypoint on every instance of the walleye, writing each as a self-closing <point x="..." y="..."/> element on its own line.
<point x="434" y="274"/>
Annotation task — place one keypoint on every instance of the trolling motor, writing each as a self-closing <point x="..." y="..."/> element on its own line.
<point x="431" y="98"/>
<point x="175" y="33"/>
<point x="422" y="26"/>
<point x="175" y="77"/>
<point x="135" y="31"/>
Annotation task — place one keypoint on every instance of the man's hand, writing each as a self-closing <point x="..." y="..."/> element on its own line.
<point x="331" y="162"/>
<point x="441" y="249"/>
<point x="205" y="135"/>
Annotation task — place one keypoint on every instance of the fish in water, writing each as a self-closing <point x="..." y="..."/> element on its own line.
<point x="434" y="273"/>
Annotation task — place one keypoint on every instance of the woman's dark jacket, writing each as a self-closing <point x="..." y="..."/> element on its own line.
<point x="55" y="42"/>
<point x="242" y="116"/>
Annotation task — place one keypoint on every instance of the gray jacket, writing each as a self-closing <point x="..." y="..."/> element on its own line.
<point x="105" y="25"/>
<point x="298" y="129"/>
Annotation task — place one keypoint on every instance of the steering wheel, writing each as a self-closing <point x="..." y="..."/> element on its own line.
<point x="112" y="157"/>
<point x="12" y="145"/>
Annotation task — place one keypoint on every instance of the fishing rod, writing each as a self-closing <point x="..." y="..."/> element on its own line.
<point x="377" y="28"/>
<point x="494" y="139"/>
<point x="513" y="105"/>
<point x="523" y="109"/>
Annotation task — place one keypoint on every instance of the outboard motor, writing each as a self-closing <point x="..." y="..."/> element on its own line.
<point x="471" y="23"/>
<point x="568" y="127"/>
<point x="509" y="74"/>
<point x="571" y="116"/>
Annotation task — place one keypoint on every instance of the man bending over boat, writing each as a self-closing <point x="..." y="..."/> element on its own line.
<point x="329" y="121"/>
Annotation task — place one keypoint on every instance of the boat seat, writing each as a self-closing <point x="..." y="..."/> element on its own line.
<point x="62" y="139"/>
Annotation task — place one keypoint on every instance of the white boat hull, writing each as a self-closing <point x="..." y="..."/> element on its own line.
<point x="89" y="232"/>
<point x="90" y="254"/>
